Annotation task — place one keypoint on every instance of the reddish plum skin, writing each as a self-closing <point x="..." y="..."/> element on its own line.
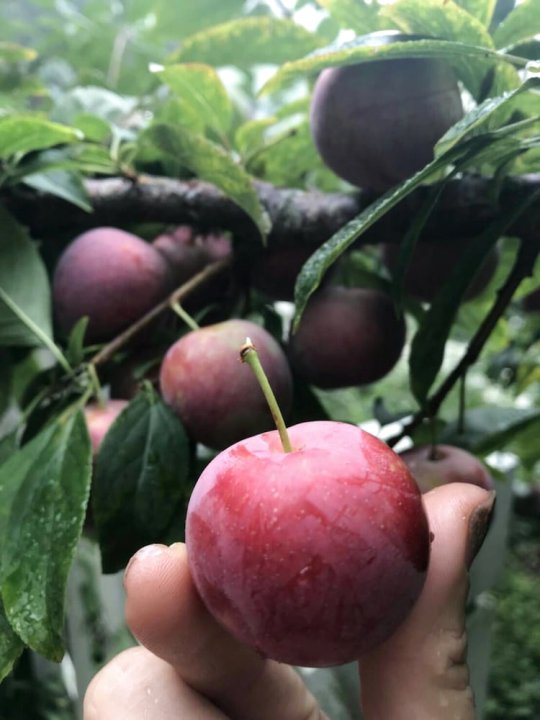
<point x="315" y="556"/>
<point x="346" y="337"/>
<point x="100" y="418"/>
<point x="218" y="399"/>
<point x="431" y="266"/>
<point x="375" y="124"/>
<point x="451" y="465"/>
<point x="111" y="276"/>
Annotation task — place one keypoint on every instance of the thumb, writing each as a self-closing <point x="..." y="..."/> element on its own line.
<point x="421" y="671"/>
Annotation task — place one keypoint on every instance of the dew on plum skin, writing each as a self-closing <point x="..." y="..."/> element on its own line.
<point x="283" y="580"/>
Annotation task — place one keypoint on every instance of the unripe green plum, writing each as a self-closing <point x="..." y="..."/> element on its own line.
<point x="347" y="336"/>
<point x="376" y="123"/>
<point x="216" y="397"/>
<point x="431" y="265"/>
<point x="111" y="276"/>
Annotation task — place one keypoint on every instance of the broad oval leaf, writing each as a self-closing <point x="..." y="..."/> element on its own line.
<point x="209" y="162"/>
<point x="201" y="91"/>
<point x="355" y="15"/>
<point x="20" y="134"/>
<point x="482" y="10"/>
<point x="248" y="41"/>
<point x="44" y="490"/>
<point x="522" y="24"/>
<point x="141" y="478"/>
<point x="63" y="184"/>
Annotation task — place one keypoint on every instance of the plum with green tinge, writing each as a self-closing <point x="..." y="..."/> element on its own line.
<point x="346" y="337"/>
<point x="218" y="400"/>
<point x="313" y="556"/>
<point x="111" y="276"/>
<point x="376" y="123"/>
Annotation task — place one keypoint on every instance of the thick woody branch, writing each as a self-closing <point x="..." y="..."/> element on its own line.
<point x="299" y="217"/>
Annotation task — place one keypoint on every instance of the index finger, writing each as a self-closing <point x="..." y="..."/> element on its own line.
<point x="165" y="613"/>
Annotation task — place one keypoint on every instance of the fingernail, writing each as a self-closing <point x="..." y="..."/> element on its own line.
<point x="479" y="524"/>
<point x="145" y="552"/>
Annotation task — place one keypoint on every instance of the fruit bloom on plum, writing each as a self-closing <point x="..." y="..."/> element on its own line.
<point x="313" y="556"/>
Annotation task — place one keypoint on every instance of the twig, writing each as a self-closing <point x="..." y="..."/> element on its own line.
<point x="523" y="266"/>
<point x="108" y="350"/>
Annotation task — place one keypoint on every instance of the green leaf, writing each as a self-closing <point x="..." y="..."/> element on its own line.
<point x="209" y="162"/>
<point x="11" y="646"/>
<point x="75" y="345"/>
<point x="448" y="21"/>
<point x="20" y="134"/>
<point x="202" y="93"/>
<point x="61" y="183"/>
<point x="8" y="445"/>
<point x="44" y="490"/>
<point x="180" y="19"/>
<point x="427" y="349"/>
<point x="368" y="48"/>
<point x="354" y="14"/>
<point x="248" y="41"/>
<point x="428" y="345"/>
<point x="490" y="114"/>
<point x="13" y="53"/>
<point x="522" y="24"/>
<point x="482" y="10"/>
<point x="25" y="304"/>
<point x="487" y="429"/>
<point x="141" y="476"/>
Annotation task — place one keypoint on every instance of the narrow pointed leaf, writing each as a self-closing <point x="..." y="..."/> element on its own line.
<point x="364" y="49"/>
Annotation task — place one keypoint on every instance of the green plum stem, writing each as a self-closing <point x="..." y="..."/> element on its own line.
<point x="186" y="317"/>
<point x="250" y="356"/>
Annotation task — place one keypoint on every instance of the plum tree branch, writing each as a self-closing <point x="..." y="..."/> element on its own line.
<point x="300" y="217"/>
<point x="177" y="296"/>
<point x="523" y="267"/>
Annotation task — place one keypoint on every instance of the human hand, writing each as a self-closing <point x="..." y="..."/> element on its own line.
<point x="189" y="666"/>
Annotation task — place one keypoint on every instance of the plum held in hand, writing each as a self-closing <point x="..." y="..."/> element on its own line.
<point x="376" y="123"/>
<point x="111" y="276"/>
<point x="312" y="556"/>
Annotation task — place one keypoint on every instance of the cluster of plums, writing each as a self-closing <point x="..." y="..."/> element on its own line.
<point x="316" y="554"/>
